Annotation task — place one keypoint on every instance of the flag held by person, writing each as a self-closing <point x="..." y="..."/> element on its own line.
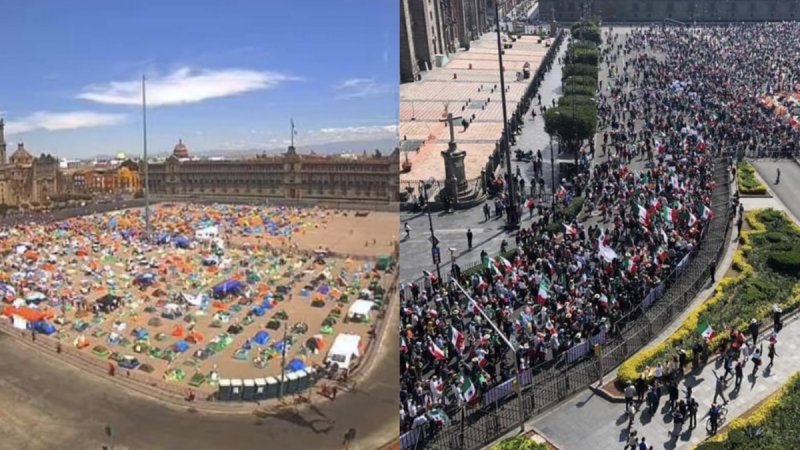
<point x="457" y="339"/>
<point x="468" y="392"/>
<point x="705" y="330"/>
<point x="436" y="352"/>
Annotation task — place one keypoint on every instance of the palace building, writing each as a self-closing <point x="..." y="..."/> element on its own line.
<point x="289" y="176"/>
<point x="25" y="179"/>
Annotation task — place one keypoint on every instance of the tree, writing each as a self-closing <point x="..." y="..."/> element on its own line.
<point x="572" y="124"/>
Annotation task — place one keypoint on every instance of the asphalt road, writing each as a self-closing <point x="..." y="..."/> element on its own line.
<point x="789" y="188"/>
<point x="47" y="405"/>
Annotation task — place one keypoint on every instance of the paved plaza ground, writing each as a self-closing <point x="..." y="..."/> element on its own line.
<point x="472" y="92"/>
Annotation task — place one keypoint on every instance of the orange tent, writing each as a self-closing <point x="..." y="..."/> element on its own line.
<point x="178" y="331"/>
<point x="31" y="255"/>
<point x="218" y="305"/>
<point x="29" y="314"/>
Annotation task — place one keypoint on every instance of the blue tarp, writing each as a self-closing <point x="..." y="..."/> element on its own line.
<point x="258" y="311"/>
<point x="296" y="365"/>
<point x="267" y="303"/>
<point x="228" y="287"/>
<point x="182" y="242"/>
<point x="261" y="338"/>
<point x="279" y="346"/>
<point x="181" y="346"/>
<point x="44" y="327"/>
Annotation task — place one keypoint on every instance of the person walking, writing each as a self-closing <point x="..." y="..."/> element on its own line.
<point x="778" y="179"/>
<point x="469" y="238"/>
<point x="486" y="212"/>
<point x="719" y="387"/>
<point x="777" y="321"/>
<point x="713" y="417"/>
<point x="408" y="230"/>
<point x="756" y="360"/>
<point x="738" y="372"/>
<point x="771" y="354"/>
<point x="652" y="400"/>
<point x="630" y="391"/>
<point x="672" y="390"/>
<point x="753" y="329"/>
<point x="692" y="407"/>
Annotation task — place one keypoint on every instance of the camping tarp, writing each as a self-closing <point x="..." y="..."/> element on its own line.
<point x="360" y="308"/>
<point x="44" y="327"/>
<point x="181" y="346"/>
<point x="296" y="365"/>
<point x="234" y="287"/>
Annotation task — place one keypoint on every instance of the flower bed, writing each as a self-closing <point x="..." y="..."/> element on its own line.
<point x="772" y="425"/>
<point x="747" y="181"/>
<point x="519" y="443"/>
<point x="737" y="299"/>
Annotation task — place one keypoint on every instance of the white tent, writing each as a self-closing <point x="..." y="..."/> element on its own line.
<point x="359" y="309"/>
<point x="207" y="234"/>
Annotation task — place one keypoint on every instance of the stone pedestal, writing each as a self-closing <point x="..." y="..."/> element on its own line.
<point x="457" y="189"/>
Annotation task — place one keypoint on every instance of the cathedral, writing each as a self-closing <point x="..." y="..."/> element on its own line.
<point x="26" y="180"/>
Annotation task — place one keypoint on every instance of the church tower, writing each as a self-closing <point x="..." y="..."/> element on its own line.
<point x="2" y="142"/>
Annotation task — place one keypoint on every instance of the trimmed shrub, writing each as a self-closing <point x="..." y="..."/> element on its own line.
<point x="583" y="56"/>
<point x="747" y="181"/>
<point x="567" y="101"/>
<point x="584" y="70"/>
<point x="785" y="261"/>
<point x="577" y="89"/>
<point x="581" y="80"/>
<point x="518" y="443"/>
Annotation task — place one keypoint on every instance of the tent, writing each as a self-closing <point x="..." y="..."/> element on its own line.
<point x="145" y="279"/>
<point x="182" y="242"/>
<point x="207" y="233"/>
<point x="210" y="260"/>
<point x="296" y="365"/>
<point x="181" y="346"/>
<point x="359" y="310"/>
<point x="261" y="338"/>
<point x="43" y="327"/>
<point x="231" y="286"/>
<point x="315" y="342"/>
<point x="258" y="311"/>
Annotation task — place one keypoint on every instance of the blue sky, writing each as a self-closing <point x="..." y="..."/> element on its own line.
<point x="222" y="74"/>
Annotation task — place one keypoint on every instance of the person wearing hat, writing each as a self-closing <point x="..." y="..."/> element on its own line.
<point x="753" y="329"/>
<point x="771" y="354"/>
<point x="777" y="313"/>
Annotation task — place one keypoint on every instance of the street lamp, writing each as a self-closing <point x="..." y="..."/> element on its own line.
<point x="512" y="217"/>
<point x="435" y="254"/>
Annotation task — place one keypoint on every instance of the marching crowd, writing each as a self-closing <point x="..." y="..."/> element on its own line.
<point x="674" y="99"/>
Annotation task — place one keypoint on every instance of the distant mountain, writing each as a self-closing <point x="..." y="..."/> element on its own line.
<point x="385" y="145"/>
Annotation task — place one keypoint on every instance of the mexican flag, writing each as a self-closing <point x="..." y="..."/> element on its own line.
<point x="569" y="230"/>
<point x="706" y="213"/>
<point x="642" y="213"/>
<point x="629" y="264"/>
<point x="457" y="339"/>
<point x="489" y="263"/>
<point x="403" y="345"/>
<point x="706" y="331"/>
<point x="505" y="262"/>
<point x="691" y="220"/>
<point x="468" y="392"/>
<point x="438" y="416"/>
<point x="544" y="290"/>
<point x="669" y="215"/>
<point x="662" y="254"/>
<point x="473" y="307"/>
<point x="437" y="353"/>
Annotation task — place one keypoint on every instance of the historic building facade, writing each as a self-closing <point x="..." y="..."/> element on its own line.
<point x="682" y="10"/>
<point x="118" y="178"/>
<point x="25" y="179"/>
<point x="290" y="176"/>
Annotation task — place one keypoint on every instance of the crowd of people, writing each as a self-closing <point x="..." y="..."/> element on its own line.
<point x="672" y="102"/>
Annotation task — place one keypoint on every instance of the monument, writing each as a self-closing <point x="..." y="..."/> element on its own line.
<point x="457" y="190"/>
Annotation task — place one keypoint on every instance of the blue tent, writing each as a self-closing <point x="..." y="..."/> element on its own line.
<point x="261" y="338"/>
<point x="181" y="346"/>
<point x="182" y="242"/>
<point x="43" y="327"/>
<point x="141" y="333"/>
<point x="279" y="346"/>
<point x="228" y="287"/>
<point x="258" y="311"/>
<point x="324" y="289"/>
<point x="268" y="302"/>
<point x="162" y="239"/>
<point x="296" y="365"/>
<point x="145" y="278"/>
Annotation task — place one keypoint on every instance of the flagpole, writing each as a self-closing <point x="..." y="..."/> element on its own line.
<point x="144" y="145"/>
<point x="292" y="122"/>
<point x="508" y="343"/>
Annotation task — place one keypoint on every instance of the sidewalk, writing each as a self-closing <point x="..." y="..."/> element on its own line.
<point x="566" y="426"/>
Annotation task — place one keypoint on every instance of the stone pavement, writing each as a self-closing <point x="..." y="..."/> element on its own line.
<point x="451" y="229"/>
<point x="474" y="91"/>
<point x="587" y="421"/>
<point x="789" y="188"/>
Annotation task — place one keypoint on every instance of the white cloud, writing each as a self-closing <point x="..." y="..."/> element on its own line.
<point x="360" y="87"/>
<point x="51" y="121"/>
<point x="184" y="85"/>
<point x="376" y="129"/>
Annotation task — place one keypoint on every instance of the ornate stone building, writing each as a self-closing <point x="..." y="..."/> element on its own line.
<point x="119" y="178"/>
<point x="290" y="176"/>
<point x="25" y="179"/>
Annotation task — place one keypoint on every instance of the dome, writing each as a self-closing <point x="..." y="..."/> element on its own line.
<point x="180" y="150"/>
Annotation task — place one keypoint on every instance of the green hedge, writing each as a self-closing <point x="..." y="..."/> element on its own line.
<point x="786" y="261"/>
<point x="584" y="70"/>
<point x="570" y="213"/>
<point x="747" y="181"/>
<point x="573" y="89"/>
<point x="583" y="45"/>
<point x="583" y="56"/>
<point x="588" y="33"/>
<point x="567" y="101"/>
<point x="518" y="443"/>
<point x="581" y="80"/>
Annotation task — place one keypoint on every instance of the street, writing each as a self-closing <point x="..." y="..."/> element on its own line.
<point x="47" y="405"/>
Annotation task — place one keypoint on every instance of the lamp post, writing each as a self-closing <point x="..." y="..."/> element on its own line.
<point x="512" y="219"/>
<point x="434" y="242"/>
<point x="144" y="148"/>
<point x="552" y="174"/>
